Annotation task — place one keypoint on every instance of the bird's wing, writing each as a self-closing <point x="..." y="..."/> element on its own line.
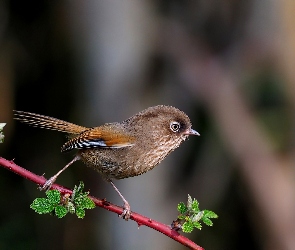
<point x="99" y="137"/>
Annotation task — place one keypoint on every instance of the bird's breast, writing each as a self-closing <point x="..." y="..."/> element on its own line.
<point x="129" y="161"/>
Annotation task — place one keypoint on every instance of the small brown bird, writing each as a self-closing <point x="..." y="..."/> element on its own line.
<point x="121" y="149"/>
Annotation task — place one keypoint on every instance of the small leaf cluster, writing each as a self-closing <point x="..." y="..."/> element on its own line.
<point x="60" y="205"/>
<point x="1" y="134"/>
<point x="190" y="216"/>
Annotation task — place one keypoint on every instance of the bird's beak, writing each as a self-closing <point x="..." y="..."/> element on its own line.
<point x="191" y="132"/>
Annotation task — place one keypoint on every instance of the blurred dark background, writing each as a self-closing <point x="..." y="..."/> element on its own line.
<point x="228" y="64"/>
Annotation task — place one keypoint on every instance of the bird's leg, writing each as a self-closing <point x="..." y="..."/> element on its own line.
<point x="126" y="207"/>
<point x="47" y="185"/>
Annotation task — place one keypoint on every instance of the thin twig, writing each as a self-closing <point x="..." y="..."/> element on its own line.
<point x="139" y="219"/>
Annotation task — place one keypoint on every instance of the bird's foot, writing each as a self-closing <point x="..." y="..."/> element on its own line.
<point x="47" y="185"/>
<point x="126" y="212"/>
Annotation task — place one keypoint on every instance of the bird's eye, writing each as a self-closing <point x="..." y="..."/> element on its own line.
<point x="175" y="126"/>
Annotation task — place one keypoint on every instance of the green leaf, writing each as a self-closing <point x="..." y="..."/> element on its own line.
<point x="187" y="227"/>
<point x="181" y="207"/>
<point x="210" y="214"/>
<point x="60" y="211"/>
<point x="42" y="206"/>
<point x="197" y="225"/>
<point x="190" y="216"/>
<point x="80" y="212"/>
<point x="75" y="203"/>
<point x="195" y="206"/>
<point x="87" y="203"/>
<point x="81" y="201"/>
<point x="207" y="221"/>
<point x="181" y="217"/>
<point x="53" y="197"/>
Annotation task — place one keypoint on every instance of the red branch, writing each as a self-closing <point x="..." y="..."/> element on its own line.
<point x="139" y="219"/>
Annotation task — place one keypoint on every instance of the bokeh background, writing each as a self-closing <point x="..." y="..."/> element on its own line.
<point x="228" y="64"/>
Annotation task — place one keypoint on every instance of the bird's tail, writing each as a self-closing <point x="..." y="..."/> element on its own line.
<point x="47" y="122"/>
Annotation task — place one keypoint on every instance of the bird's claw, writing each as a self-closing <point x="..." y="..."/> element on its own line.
<point x="126" y="212"/>
<point x="47" y="185"/>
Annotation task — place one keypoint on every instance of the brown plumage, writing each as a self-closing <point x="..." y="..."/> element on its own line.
<point x="120" y="150"/>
